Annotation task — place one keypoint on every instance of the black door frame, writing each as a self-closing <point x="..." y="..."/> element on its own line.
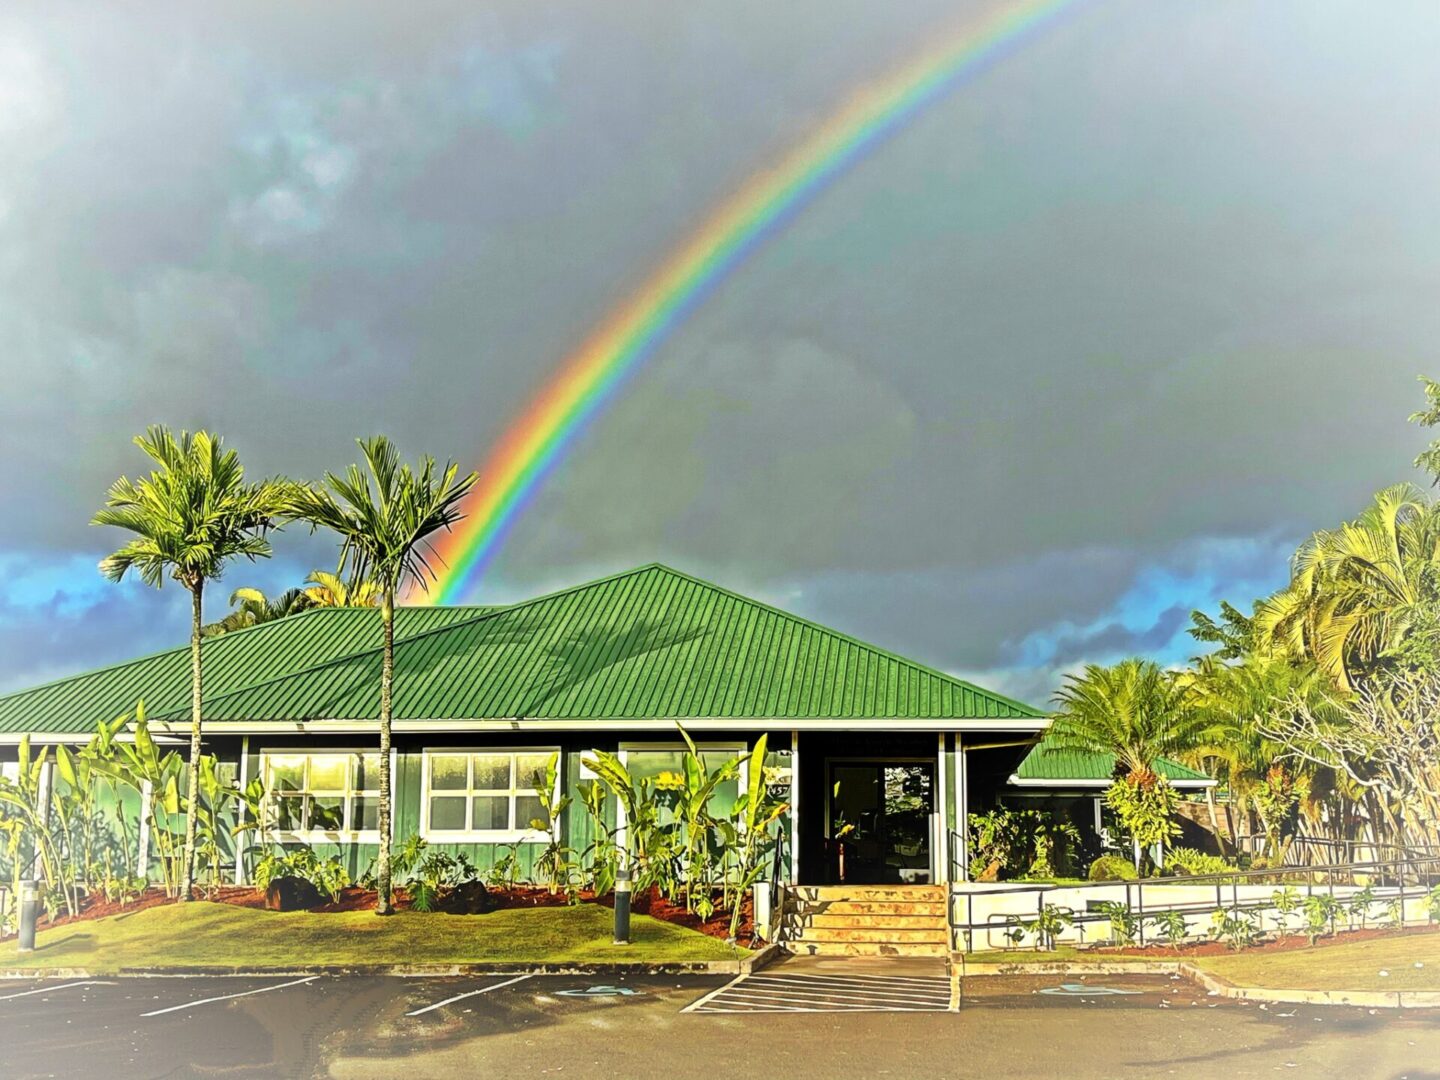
<point x="881" y="760"/>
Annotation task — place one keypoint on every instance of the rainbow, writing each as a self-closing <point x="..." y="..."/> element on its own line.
<point x="538" y="440"/>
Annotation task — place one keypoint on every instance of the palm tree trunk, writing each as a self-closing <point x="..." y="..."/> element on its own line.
<point x="187" y="876"/>
<point x="387" y="678"/>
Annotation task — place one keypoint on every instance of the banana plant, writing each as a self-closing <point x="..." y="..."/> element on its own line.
<point x="75" y="806"/>
<point x="601" y="855"/>
<point x="756" y="812"/>
<point x="28" y="805"/>
<point x="696" y="787"/>
<point x="554" y="860"/>
<point x="141" y="765"/>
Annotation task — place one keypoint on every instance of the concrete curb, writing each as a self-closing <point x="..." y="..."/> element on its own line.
<point x="741" y="966"/>
<point x="1071" y="967"/>
<point x="1370" y="999"/>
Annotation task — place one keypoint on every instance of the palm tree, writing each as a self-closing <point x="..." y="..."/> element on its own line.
<point x="1237" y="701"/>
<point x="331" y="590"/>
<point x="1357" y="592"/>
<point x="253" y="607"/>
<point x="1133" y="710"/>
<point x="190" y="516"/>
<point x="384" y="519"/>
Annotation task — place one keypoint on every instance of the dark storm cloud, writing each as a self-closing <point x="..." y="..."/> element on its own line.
<point x="1151" y="292"/>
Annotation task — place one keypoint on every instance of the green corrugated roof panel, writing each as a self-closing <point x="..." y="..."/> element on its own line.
<point x="648" y="643"/>
<point x="238" y="659"/>
<point x="1044" y="763"/>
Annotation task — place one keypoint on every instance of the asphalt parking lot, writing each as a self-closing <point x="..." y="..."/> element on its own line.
<point x="661" y="1027"/>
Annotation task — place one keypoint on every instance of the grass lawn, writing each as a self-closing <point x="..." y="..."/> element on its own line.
<point x="1346" y="966"/>
<point x="222" y="935"/>
<point x="1064" y="954"/>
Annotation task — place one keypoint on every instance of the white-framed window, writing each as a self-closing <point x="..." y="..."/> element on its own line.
<point x="485" y="795"/>
<point x="322" y="794"/>
<point x="649" y="760"/>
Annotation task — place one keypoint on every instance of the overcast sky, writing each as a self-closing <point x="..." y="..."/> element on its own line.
<point x="1093" y="342"/>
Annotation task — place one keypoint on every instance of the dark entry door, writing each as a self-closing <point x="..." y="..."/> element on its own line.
<point x="879" y="822"/>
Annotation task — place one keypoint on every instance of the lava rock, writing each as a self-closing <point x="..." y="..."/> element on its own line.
<point x="467" y="898"/>
<point x="291" y="894"/>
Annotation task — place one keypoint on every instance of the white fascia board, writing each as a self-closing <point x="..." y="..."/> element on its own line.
<point x="68" y="739"/>
<point x="320" y="727"/>
<point x="1015" y="781"/>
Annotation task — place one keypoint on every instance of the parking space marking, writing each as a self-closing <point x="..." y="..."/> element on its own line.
<point x="695" y="1006"/>
<point x="469" y="994"/>
<point x="801" y="993"/>
<point x="227" y="997"/>
<point x="45" y="989"/>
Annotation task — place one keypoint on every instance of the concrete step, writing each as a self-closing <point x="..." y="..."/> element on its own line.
<point x="918" y="908"/>
<point x="894" y="922"/>
<point x="867" y="948"/>
<point x="921" y="893"/>
<point x="874" y="935"/>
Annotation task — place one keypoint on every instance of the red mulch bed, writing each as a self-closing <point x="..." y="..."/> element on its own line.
<point x="357" y="899"/>
<point x="1288" y="943"/>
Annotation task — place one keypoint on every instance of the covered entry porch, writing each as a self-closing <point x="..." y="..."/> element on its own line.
<point x="872" y="808"/>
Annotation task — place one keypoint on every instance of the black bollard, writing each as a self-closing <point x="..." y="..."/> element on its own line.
<point x="29" y="912"/>
<point x="622" y="907"/>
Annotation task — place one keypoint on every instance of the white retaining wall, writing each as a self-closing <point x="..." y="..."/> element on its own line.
<point x="993" y="904"/>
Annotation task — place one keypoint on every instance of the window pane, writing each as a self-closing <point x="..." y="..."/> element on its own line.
<point x="290" y="812"/>
<point x="492" y="812"/>
<point x="369" y="776"/>
<point x="530" y="770"/>
<point x="492" y="772"/>
<point x="366" y="813"/>
<point x="527" y="810"/>
<point x="447" y="772"/>
<point x="286" y="773"/>
<point x="327" y="812"/>
<point x="329" y="772"/>
<point x="651" y="763"/>
<point x="447" y="813"/>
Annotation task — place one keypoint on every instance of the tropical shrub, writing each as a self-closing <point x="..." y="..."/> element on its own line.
<point x="1113" y="868"/>
<point x="1124" y="925"/>
<point x="1172" y="926"/>
<point x="1432" y="904"/>
<point x="1286" y="901"/>
<point x="1145" y="804"/>
<point x="1320" y="911"/>
<point x="1189" y="862"/>
<point x="1359" y="906"/>
<point x="1048" y="924"/>
<point x="328" y="875"/>
<point x="1236" y="929"/>
<point x="1005" y="843"/>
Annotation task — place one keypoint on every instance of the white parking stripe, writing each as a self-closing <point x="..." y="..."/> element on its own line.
<point x="937" y="992"/>
<point x="801" y="992"/>
<point x="841" y="1001"/>
<point x="792" y="994"/>
<point x="470" y="994"/>
<point x="863" y="979"/>
<point x="46" y="989"/>
<point x="694" y="1005"/>
<point x="227" y="997"/>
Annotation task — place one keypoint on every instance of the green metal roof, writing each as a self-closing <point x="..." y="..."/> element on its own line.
<point x="1046" y="765"/>
<point x="648" y="643"/>
<point x="233" y="660"/>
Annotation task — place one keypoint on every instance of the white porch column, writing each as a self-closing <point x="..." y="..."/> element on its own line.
<point x="942" y="813"/>
<point x="794" y="808"/>
<point x="239" y="839"/>
<point x="962" y="805"/>
<point x="142" y="843"/>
